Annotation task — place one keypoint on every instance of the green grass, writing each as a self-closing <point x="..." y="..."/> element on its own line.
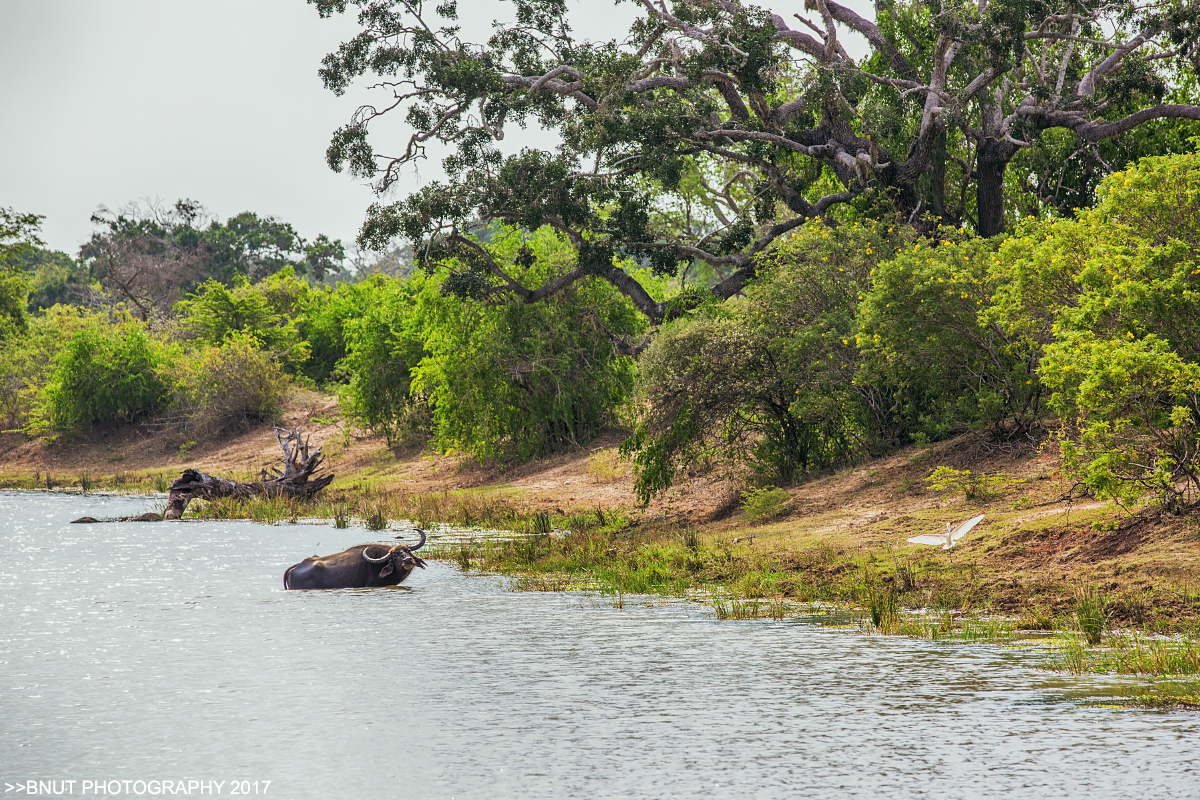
<point x="376" y="518"/>
<point x="1089" y="613"/>
<point x="1129" y="655"/>
<point x="884" y="608"/>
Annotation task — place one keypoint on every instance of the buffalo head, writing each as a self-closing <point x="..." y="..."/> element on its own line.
<point x="396" y="558"/>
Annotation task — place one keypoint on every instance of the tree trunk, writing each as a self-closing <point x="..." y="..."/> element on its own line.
<point x="298" y="466"/>
<point x="989" y="185"/>
<point x="937" y="180"/>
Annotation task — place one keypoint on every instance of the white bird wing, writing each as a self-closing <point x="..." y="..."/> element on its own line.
<point x="929" y="538"/>
<point x="965" y="528"/>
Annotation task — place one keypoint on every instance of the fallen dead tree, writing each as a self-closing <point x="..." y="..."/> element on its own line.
<point x="295" y="480"/>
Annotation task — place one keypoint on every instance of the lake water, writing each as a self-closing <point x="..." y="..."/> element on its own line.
<point x="160" y="652"/>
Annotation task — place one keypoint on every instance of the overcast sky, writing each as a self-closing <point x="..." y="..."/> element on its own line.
<point x="104" y="102"/>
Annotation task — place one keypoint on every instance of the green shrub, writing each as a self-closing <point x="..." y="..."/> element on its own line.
<point x="18" y="239"/>
<point x="105" y="374"/>
<point x="925" y="325"/>
<point x="326" y="316"/>
<point x="264" y="311"/>
<point x="961" y="481"/>
<point x="1115" y="294"/>
<point x="765" y="504"/>
<point x="218" y="389"/>
<point x="383" y="344"/>
<point x="513" y="381"/>
<point x="28" y="362"/>
<point x="769" y="385"/>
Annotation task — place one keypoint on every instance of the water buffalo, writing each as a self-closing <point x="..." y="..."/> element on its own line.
<point x="356" y="567"/>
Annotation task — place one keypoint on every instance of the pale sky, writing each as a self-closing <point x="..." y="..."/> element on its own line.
<point x="104" y="102"/>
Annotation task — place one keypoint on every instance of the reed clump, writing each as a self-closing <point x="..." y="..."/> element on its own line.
<point x="376" y="518"/>
<point x="884" y="608"/>
<point x="1089" y="613"/>
<point x="1130" y="655"/>
<point x="755" y="608"/>
<point x="982" y="630"/>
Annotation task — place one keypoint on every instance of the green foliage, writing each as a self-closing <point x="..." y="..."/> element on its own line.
<point x="55" y="278"/>
<point x="28" y="362"/>
<point x="383" y="345"/>
<point x="765" y="504"/>
<point x="770" y="382"/>
<point x="218" y="389"/>
<point x="925" y="324"/>
<point x="245" y="245"/>
<point x="684" y="142"/>
<point x="266" y="312"/>
<point x="251" y="246"/>
<point x="1115" y="296"/>
<point x="18" y="238"/>
<point x="961" y="481"/>
<point x="105" y="374"/>
<point x="326" y="315"/>
<point x="513" y="381"/>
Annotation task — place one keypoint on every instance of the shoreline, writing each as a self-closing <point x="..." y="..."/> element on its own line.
<point x="620" y="564"/>
<point x="839" y="538"/>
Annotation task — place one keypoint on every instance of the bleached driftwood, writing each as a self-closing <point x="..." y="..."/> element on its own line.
<point x="295" y="480"/>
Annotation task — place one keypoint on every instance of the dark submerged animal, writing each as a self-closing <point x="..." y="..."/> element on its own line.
<point x="356" y="567"/>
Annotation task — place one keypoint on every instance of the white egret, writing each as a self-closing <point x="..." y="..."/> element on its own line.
<point x="948" y="539"/>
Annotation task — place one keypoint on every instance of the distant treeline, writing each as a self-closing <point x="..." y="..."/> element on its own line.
<point x="859" y="336"/>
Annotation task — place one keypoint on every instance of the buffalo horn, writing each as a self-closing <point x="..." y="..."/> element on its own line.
<point x="379" y="560"/>
<point x="419" y="544"/>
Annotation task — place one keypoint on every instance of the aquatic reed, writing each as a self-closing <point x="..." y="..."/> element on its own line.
<point x="541" y="523"/>
<point x="982" y="630"/>
<point x="1130" y="655"/>
<point x="376" y="518"/>
<point x="884" y="608"/>
<point x="463" y="557"/>
<point x="1089" y="613"/>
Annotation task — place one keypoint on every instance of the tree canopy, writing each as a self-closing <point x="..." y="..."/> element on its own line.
<point x="752" y="119"/>
<point x="149" y="256"/>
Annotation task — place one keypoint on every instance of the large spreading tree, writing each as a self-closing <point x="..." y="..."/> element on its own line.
<point x="717" y="126"/>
